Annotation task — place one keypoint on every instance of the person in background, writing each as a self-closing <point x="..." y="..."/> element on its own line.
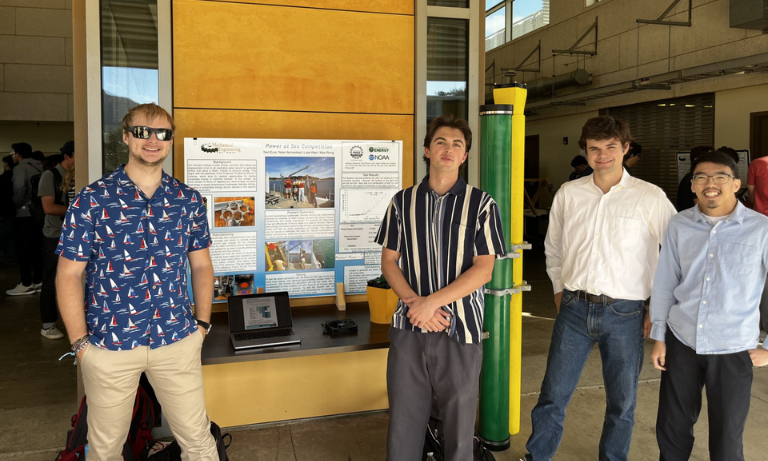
<point x="632" y="157"/>
<point x="580" y="167"/>
<point x="27" y="230"/>
<point x="685" y="196"/>
<point x="7" y="211"/>
<point x="55" y="196"/>
<point x="757" y="199"/>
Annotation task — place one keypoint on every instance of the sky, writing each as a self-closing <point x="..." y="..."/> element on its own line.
<point x="140" y="85"/>
<point x="520" y="9"/>
<point x="319" y="167"/>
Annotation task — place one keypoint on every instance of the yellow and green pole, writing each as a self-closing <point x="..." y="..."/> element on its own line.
<point x="503" y="143"/>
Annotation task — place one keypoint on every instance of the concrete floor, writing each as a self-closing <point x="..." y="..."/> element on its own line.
<point x="38" y="397"/>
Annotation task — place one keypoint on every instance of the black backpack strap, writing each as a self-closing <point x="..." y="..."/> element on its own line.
<point x="57" y="186"/>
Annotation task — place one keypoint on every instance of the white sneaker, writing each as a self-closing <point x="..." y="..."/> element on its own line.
<point x="51" y="333"/>
<point x="21" y="290"/>
<point x="38" y="287"/>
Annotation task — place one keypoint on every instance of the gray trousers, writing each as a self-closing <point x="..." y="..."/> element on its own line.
<point x="419" y="366"/>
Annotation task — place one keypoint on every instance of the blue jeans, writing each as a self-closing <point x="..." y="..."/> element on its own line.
<point x="617" y="328"/>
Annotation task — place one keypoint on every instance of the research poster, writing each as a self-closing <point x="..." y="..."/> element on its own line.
<point x="293" y="215"/>
<point x="684" y="164"/>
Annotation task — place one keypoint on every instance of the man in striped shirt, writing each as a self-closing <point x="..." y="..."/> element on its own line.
<point x="440" y="240"/>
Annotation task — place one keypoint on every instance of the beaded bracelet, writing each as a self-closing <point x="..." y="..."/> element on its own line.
<point x="80" y="344"/>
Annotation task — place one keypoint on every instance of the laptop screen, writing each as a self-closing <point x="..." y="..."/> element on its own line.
<point x="259" y="311"/>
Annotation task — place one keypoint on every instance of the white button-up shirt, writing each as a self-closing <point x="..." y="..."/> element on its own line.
<point x="606" y="244"/>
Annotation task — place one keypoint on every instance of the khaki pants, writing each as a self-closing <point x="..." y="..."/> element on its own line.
<point x="111" y="379"/>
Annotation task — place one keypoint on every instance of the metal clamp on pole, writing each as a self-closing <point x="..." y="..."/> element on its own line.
<point x="524" y="286"/>
<point x="521" y="246"/>
<point x="511" y="255"/>
<point x="500" y="293"/>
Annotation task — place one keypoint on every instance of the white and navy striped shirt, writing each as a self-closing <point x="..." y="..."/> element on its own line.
<point x="437" y="237"/>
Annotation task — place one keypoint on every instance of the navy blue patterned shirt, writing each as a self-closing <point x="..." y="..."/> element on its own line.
<point x="136" y="248"/>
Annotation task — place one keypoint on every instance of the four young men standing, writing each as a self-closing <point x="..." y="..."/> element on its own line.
<point x="440" y="239"/>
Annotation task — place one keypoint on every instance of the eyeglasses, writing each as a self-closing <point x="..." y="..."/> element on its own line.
<point x="144" y="132"/>
<point x="720" y="178"/>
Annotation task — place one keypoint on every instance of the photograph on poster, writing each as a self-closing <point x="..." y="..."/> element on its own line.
<point x="300" y="255"/>
<point x="276" y="254"/>
<point x="223" y="287"/>
<point x="233" y="211"/>
<point x="244" y="284"/>
<point x="300" y="182"/>
<point x="324" y="251"/>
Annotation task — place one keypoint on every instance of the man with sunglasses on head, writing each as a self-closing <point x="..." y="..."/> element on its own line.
<point x="134" y="233"/>
<point x="704" y="311"/>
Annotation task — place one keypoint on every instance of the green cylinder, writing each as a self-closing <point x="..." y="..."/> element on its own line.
<point x="495" y="172"/>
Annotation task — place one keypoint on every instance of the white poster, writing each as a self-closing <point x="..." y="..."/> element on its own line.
<point x="281" y="210"/>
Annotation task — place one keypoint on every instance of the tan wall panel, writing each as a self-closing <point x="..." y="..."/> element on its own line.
<point x="378" y="6"/>
<point x="245" y="56"/>
<point x="238" y="394"/>
<point x="292" y="125"/>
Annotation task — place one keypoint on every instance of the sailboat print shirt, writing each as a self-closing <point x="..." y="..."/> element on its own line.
<point x="136" y="248"/>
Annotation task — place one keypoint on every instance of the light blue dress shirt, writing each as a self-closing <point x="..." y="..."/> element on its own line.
<point x="709" y="281"/>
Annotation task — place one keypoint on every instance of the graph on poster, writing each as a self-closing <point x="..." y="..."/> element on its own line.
<point x="368" y="205"/>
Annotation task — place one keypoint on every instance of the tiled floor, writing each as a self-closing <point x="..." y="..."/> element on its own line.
<point x="38" y="397"/>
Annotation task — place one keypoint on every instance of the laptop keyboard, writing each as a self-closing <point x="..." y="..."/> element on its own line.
<point x="262" y="334"/>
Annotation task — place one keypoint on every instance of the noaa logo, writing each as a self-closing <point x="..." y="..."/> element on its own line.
<point x="356" y="152"/>
<point x="371" y="157"/>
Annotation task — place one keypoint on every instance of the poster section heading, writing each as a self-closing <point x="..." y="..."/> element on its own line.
<point x="293" y="215"/>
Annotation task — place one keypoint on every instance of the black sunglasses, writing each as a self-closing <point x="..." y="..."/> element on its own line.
<point x="144" y="132"/>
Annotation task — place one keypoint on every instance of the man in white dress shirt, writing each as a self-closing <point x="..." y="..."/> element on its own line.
<point x="602" y="247"/>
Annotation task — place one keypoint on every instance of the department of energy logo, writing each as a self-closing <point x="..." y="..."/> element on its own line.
<point x="356" y="152"/>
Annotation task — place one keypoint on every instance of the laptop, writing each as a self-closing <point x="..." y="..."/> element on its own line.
<point x="261" y="320"/>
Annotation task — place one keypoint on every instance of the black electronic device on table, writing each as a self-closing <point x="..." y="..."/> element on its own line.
<point x="261" y="320"/>
<point x="338" y="327"/>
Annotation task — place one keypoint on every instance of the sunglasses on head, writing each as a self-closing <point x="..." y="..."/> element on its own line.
<point x="144" y="132"/>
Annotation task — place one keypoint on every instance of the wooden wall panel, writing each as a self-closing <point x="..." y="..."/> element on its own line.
<point x="247" y="56"/>
<point x="292" y="125"/>
<point x="377" y="6"/>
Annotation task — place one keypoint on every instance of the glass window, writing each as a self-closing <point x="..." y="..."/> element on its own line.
<point x="129" y="72"/>
<point x="447" y="69"/>
<point x="495" y="28"/>
<point x="529" y="15"/>
<point x="449" y="3"/>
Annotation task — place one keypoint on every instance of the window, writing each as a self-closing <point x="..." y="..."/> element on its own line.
<point x="129" y="69"/>
<point x="510" y="19"/>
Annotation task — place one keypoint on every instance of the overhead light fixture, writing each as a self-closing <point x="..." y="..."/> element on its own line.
<point x="671" y="105"/>
<point x="690" y="105"/>
<point x="662" y="105"/>
<point x="708" y="107"/>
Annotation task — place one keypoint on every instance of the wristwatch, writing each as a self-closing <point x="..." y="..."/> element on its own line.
<point x="205" y="325"/>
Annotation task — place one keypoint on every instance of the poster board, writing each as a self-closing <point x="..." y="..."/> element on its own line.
<point x="683" y="159"/>
<point x="305" y="239"/>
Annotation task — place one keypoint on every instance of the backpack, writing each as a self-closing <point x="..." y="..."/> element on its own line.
<point x="434" y="442"/>
<point x="172" y="451"/>
<point x="35" y="202"/>
<point x="139" y="434"/>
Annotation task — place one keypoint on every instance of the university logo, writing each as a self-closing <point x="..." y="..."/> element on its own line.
<point x="356" y="152"/>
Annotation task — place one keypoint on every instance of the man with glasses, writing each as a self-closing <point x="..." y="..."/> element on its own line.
<point x="602" y="246"/>
<point x="704" y="311"/>
<point x="134" y="232"/>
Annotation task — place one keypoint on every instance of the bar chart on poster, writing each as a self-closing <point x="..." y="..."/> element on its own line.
<point x="293" y="215"/>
